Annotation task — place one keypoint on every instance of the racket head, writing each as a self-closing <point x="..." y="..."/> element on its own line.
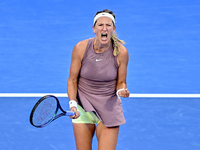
<point x="44" y="111"/>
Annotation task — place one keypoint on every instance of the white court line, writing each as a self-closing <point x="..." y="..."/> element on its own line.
<point x="131" y="95"/>
<point x="167" y="95"/>
<point x="32" y="94"/>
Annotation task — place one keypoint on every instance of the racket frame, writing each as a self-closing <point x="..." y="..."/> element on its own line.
<point x="54" y="117"/>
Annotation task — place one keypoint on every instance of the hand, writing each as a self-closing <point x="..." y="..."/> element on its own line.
<point x="76" y="115"/>
<point x="124" y="93"/>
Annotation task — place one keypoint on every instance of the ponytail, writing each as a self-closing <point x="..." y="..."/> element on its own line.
<point x="116" y="42"/>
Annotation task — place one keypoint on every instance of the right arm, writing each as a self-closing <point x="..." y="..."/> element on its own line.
<point x="76" y="59"/>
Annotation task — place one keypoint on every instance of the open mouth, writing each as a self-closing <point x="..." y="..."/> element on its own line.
<point x="104" y="35"/>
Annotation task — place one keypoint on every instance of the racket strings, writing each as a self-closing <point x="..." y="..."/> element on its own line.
<point x="45" y="111"/>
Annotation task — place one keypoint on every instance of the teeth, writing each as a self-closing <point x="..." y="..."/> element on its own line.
<point x="104" y="34"/>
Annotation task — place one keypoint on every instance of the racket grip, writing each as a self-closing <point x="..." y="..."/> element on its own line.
<point x="70" y="113"/>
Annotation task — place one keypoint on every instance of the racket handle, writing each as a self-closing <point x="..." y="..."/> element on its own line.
<point x="70" y="113"/>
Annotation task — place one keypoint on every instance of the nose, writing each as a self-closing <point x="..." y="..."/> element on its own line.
<point x="104" y="28"/>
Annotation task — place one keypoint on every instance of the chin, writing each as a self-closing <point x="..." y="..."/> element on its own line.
<point x="105" y="41"/>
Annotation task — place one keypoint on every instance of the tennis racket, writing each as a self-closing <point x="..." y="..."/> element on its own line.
<point x="45" y="111"/>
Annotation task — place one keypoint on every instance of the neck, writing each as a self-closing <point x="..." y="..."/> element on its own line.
<point x="100" y="48"/>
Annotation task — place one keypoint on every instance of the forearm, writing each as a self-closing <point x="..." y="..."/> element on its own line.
<point x="121" y="85"/>
<point x="72" y="89"/>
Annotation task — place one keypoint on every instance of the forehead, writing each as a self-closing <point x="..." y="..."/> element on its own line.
<point x="104" y="20"/>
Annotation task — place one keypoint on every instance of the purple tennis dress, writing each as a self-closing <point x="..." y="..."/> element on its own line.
<point x="97" y="86"/>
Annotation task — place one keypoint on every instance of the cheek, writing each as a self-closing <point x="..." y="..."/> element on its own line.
<point x="95" y="30"/>
<point x="111" y="31"/>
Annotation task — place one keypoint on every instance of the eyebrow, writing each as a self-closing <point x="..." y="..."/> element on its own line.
<point x="104" y="23"/>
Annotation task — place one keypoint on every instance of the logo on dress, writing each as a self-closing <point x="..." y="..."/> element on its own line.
<point x="99" y="59"/>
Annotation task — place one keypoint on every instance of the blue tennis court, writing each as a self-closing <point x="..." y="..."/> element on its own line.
<point x="162" y="37"/>
<point x="151" y="124"/>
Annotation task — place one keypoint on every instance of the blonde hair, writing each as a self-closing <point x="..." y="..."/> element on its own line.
<point x="116" y="44"/>
<point x="115" y="41"/>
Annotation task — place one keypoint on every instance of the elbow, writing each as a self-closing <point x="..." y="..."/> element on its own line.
<point x="72" y="82"/>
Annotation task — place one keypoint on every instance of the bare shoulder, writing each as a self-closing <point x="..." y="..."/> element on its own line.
<point x="123" y="55"/>
<point x="82" y="44"/>
<point x="123" y="50"/>
<point x="79" y="48"/>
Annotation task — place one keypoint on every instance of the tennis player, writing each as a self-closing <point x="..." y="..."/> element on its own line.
<point x="97" y="81"/>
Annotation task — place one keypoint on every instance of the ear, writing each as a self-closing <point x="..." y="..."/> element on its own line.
<point x="93" y="28"/>
<point x="114" y="28"/>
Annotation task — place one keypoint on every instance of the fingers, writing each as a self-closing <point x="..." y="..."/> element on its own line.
<point x="76" y="115"/>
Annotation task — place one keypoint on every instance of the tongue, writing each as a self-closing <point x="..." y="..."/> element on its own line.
<point x="104" y="37"/>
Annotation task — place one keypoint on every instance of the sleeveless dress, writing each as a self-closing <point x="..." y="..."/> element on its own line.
<point x="97" y="86"/>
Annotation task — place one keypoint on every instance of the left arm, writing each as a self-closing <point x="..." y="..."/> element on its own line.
<point x="122" y="59"/>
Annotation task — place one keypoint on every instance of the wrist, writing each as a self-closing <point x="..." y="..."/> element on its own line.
<point x="119" y="91"/>
<point x="72" y="103"/>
